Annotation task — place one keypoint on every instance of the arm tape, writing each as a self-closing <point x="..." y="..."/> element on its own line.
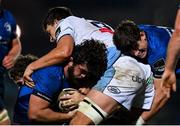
<point x="92" y="110"/>
<point x="140" y="121"/>
<point x="4" y="115"/>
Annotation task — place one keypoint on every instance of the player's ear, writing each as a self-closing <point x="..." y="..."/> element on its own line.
<point x="56" y="21"/>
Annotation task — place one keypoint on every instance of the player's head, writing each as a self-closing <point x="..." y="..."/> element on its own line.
<point x="52" y="19"/>
<point x="89" y="61"/>
<point x="16" y="73"/>
<point x="130" y="39"/>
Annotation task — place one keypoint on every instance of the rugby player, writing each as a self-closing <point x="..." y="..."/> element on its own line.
<point x="35" y="105"/>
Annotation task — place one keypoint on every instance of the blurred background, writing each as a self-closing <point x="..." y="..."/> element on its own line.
<point x="30" y="13"/>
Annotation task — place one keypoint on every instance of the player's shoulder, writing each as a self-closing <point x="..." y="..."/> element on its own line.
<point x="145" y="27"/>
<point x="8" y="16"/>
<point x="71" y="18"/>
<point x="149" y="27"/>
<point x="130" y="63"/>
<point x="51" y="70"/>
<point x="7" y="13"/>
<point x="126" y="59"/>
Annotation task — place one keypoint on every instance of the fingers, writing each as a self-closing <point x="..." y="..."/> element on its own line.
<point x="27" y="79"/>
<point x="27" y="74"/>
<point x="70" y="104"/>
<point x="29" y="84"/>
<point x="167" y="92"/>
<point x="8" y="62"/>
<point x="168" y="95"/>
<point x="67" y="105"/>
<point x="65" y="97"/>
<point x="174" y="87"/>
<point x="8" y="65"/>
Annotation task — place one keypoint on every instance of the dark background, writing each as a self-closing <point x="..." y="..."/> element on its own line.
<point x="30" y="13"/>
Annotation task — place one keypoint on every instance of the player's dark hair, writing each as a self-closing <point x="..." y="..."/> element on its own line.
<point x="94" y="54"/>
<point x="19" y="67"/>
<point x="56" y="13"/>
<point x="126" y="36"/>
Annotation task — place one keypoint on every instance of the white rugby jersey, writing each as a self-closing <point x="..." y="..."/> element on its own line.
<point x="81" y="29"/>
<point x="131" y="84"/>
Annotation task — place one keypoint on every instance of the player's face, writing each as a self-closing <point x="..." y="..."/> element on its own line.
<point x="141" y="51"/>
<point x="51" y="29"/>
<point x="76" y="73"/>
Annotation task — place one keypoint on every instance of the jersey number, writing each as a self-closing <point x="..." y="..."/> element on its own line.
<point x="102" y="27"/>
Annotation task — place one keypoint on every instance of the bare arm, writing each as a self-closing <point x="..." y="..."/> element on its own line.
<point x="160" y="99"/>
<point x="173" y="54"/>
<point x="39" y="111"/>
<point x="14" y="52"/>
<point x="58" y="55"/>
<point x="106" y="103"/>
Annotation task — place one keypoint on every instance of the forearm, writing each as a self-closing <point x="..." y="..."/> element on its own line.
<point x="160" y="99"/>
<point x="48" y="115"/>
<point x="147" y="115"/>
<point x="92" y="110"/>
<point x="53" y="57"/>
<point x="81" y="119"/>
<point x="58" y="55"/>
<point x="15" y="51"/>
<point x="173" y="51"/>
<point x="174" y="45"/>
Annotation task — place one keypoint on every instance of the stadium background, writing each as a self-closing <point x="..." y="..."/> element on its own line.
<point x="29" y="15"/>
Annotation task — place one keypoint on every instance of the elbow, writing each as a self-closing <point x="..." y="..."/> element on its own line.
<point x="33" y="116"/>
<point x="65" y="54"/>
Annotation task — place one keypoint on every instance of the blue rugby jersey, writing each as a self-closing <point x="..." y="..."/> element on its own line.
<point x="158" y="38"/>
<point x="49" y="81"/>
<point x="7" y="32"/>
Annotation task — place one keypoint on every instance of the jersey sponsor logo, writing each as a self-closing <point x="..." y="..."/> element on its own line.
<point x="158" y="67"/>
<point x="113" y="89"/>
<point x="41" y="95"/>
<point x="102" y="26"/>
<point x="138" y="79"/>
<point x="7" y="26"/>
<point x="150" y="80"/>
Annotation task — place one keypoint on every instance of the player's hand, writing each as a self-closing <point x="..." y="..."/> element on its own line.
<point x="72" y="113"/>
<point x="70" y="100"/>
<point x="27" y="74"/>
<point x="74" y="96"/>
<point x="8" y="61"/>
<point x="168" y="83"/>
